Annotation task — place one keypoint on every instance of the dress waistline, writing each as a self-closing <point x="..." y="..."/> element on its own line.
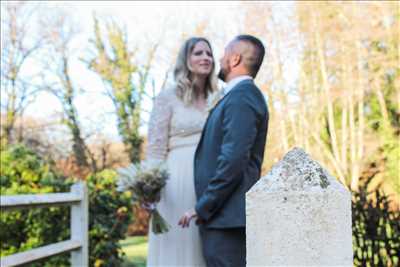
<point x="184" y="141"/>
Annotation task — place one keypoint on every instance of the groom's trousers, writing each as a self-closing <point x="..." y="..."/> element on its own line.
<point x="224" y="247"/>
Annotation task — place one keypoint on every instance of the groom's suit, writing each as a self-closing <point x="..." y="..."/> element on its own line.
<point x="227" y="164"/>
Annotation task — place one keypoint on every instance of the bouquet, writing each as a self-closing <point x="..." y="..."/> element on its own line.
<point x="146" y="181"/>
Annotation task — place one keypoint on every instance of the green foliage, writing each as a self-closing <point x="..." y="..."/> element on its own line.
<point x="113" y="63"/>
<point x="388" y="132"/>
<point x="23" y="172"/>
<point x="391" y="153"/>
<point x="109" y="219"/>
<point x="376" y="228"/>
<point x="384" y="117"/>
<point x="135" y="249"/>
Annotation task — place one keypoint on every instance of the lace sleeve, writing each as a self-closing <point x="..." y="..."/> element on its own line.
<point x="159" y="126"/>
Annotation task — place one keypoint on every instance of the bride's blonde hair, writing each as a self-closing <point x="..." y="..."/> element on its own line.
<point x="185" y="86"/>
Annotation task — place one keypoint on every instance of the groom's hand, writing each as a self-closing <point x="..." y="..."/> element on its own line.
<point x="185" y="220"/>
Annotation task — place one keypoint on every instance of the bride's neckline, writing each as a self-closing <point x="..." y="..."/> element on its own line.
<point x="200" y="108"/>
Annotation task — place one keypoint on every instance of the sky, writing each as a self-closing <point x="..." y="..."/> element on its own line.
<point x="146" y="22"/>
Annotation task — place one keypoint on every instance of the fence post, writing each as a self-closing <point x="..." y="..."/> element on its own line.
<point x="80" y="226"/>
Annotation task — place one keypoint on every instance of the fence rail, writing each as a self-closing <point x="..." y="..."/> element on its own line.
<point x="77" y="198"/>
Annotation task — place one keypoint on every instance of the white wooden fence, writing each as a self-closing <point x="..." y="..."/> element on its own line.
<point x="78" y="244"/>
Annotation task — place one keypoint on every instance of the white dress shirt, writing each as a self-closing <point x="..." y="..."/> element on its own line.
<point x="232" y="83"/>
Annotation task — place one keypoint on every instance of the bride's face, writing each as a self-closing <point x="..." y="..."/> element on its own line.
<point x="201" y="59"/>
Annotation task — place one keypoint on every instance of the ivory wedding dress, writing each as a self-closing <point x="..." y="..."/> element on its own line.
<point x="174" y="132"/>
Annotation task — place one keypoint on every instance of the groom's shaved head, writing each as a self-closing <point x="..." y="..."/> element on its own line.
<point x="252" y="52"/>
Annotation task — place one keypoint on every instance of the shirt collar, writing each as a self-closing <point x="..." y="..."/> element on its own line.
<point x="232" y="83"/>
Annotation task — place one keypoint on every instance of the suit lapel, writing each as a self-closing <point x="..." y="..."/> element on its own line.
<point x="222" y="98"/>
<point x="211" y="111"/>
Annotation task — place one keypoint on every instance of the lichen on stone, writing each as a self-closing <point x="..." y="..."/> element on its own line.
<point x="323" y="180"/>
<point x="295" y="172"/>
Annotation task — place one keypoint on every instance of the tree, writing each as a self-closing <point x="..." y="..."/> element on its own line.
<point x="60" y="32"/>
<point x="353" y="72"/>
<point x="125" y="81"/>
<point x="19" y="43"/>
<point x="343" y="108"/>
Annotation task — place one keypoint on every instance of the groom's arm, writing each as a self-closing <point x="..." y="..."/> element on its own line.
<point x="239" y="133"/>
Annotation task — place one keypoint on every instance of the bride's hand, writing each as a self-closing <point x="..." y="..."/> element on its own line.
<point x="185" y="220"/>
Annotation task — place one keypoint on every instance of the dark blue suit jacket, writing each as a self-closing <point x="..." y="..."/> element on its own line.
<point x="229" y="156"/>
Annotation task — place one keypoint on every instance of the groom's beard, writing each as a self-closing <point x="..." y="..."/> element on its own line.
<point x="222" y="74"/>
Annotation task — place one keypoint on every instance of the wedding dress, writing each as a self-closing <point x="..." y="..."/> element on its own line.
<point x="173" y="134"/>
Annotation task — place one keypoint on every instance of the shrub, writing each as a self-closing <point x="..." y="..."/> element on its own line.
<point x="376" y="228"/>
<point x="109" y="219"/>
<point x="24" y="172"/>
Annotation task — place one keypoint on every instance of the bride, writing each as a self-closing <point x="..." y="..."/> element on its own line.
<point x="175" y="126"/>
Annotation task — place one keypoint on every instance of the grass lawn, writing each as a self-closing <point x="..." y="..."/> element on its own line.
<point x="135" y="248"/>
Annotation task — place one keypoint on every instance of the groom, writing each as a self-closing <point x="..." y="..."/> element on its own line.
<point x="229" y="156"/>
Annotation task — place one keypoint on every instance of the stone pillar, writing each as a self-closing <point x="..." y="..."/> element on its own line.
<point x="298" y="215"/>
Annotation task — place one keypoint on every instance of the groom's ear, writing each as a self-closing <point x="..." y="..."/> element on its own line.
<point x="235" y="60"/>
